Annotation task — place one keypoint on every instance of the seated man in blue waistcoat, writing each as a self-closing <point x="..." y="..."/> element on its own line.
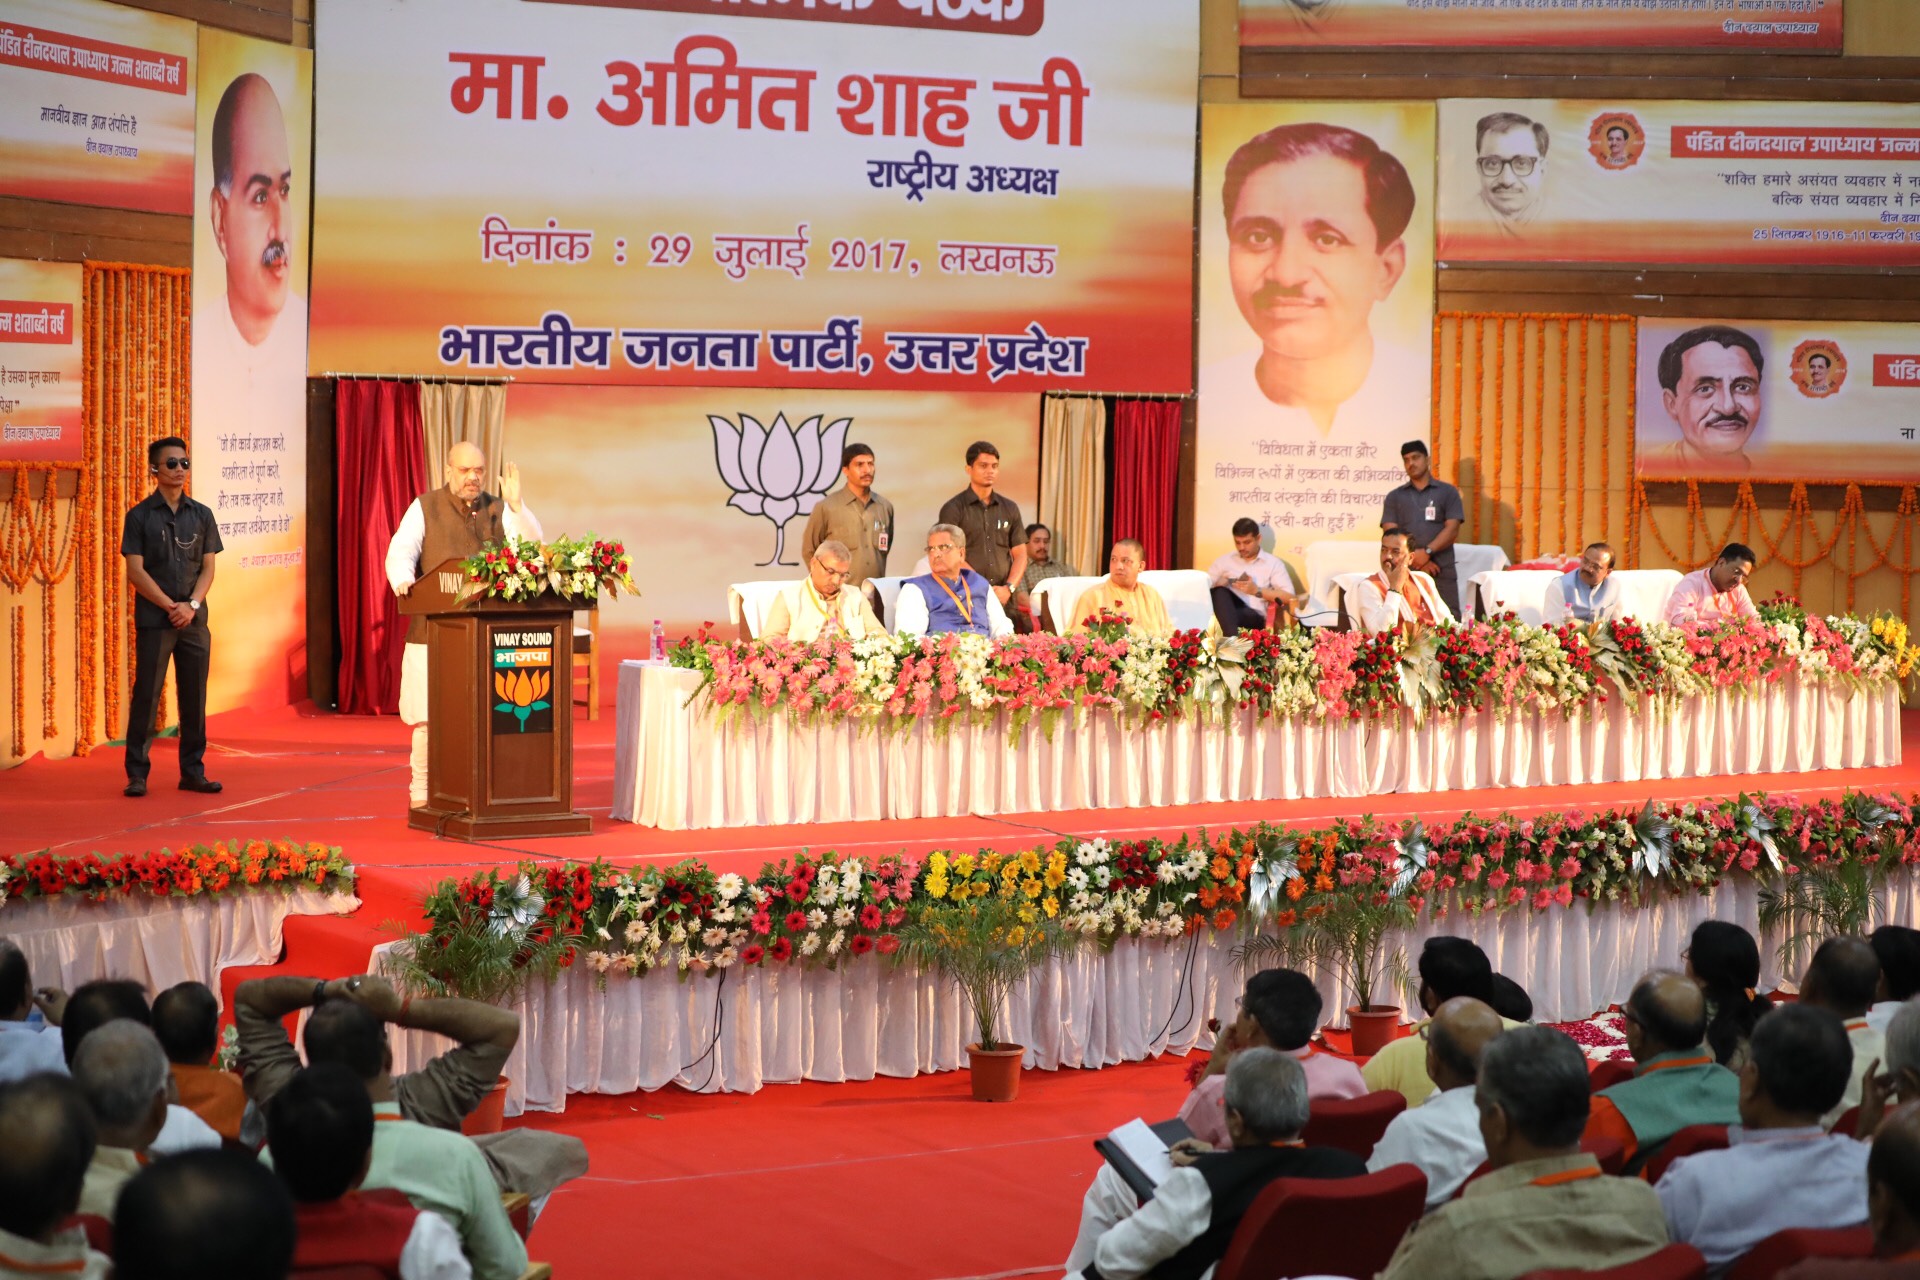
<point x="952" y="597"/>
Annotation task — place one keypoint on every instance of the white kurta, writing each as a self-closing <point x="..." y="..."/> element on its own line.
<point x="1374" y="612"/>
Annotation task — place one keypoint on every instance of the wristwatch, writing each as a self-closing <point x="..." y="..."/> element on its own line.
<point x="193" y="604"/>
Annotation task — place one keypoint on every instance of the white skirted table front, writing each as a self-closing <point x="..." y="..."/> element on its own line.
<point x="586" y="1033"/>
<point x="678" y="766"/>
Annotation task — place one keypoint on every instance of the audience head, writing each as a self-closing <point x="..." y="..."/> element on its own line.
<point x="202" y="1214"/>
<point x="1843" y="977"/>
<point x="95" y="1005"/>
<point x="1533" y="1095"/>
<point x="1903" y="1052"/>
<point x="16" y="983"/>
<point x="347" y="1033"/>
<point x="1797" y="1069"/>
<point x="1456" y="1038"/>
<point x="1666" y="1013"/>
<point x="1893" y="1184"/>
<point x="1510" y="1000"/>
<point x="1895" y="945"/>
<point x="43" y="1162"/>
<point x="320" y="1131"/>
<point x="1039" y="543"/>
<point x="1452" y="967"/>
<point x="123" y="1074"/>
<point x="1281" y="1008"/>
<point x="186" y="1018"/>
<point x="1724" y="960"/>
<point x="1266" y="1097"/>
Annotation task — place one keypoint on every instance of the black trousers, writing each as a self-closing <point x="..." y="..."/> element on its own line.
<point x="189" y="649"/>
<point x="1447" y="582"/>
<point x="1234" y="614"/>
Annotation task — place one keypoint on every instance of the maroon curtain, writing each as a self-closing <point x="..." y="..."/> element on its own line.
<point x="1146" y="474"/>
<point x="382" y="468"/>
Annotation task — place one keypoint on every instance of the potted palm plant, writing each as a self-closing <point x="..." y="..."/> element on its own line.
<point x="986" y="946"/>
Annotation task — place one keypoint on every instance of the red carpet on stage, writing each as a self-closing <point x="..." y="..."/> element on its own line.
<point x="904" y="1178"/>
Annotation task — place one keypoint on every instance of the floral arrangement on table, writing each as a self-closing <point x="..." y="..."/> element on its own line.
<point x="824" y="909"/>
<point x="1500" y="664"/>
<point x="576" y="570"/>
<point x="196" y="871"/>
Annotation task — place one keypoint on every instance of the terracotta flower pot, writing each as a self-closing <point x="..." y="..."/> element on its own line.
<point x="996" y="1072"/>
<point x="491" y="1115"/>
<point x="1373" y="1029"/>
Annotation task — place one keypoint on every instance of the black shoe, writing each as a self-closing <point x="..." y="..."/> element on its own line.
<point x="203" y="785"/>
<point x="138" y="787"/>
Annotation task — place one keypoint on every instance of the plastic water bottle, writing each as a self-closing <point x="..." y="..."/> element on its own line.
<point x="659" y="641"/>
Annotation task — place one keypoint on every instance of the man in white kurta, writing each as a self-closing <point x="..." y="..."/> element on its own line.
<point x="1441" y="1137"/>
<point x="1397" y="596"/>
<point x="821" y="604"/>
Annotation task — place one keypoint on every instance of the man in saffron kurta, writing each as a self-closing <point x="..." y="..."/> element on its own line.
<point x="1676" y="1081"/>
<point x="1121" y="591"/>
<point x="822" y="603"/>
<point x="951" y="597"/>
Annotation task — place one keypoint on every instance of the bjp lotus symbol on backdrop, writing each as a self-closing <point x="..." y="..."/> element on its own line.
<point x="779" y="471"/>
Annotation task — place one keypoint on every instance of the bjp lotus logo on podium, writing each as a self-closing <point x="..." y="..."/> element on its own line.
<point x="523" y="681"/>
<point x="780" y="471"/>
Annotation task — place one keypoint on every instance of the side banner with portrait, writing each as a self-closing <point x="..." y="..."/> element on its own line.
<point x="1316" y="317"/>
<point x="1778" y="400"/>
<point x="252" y="155"/>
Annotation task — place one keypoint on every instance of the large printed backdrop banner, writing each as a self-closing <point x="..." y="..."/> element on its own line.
<point x="250" y="358"/>
<point x="1770" y="184"/>
<point x="1755" y="25"/>
<point x="1778" y="400"/>
<point x="40" y="362"/>
<point x="96" y="105"/>
<point x="610" y="195"/>
<point x="1316" y="316"/>
<point x="603" y="452"/>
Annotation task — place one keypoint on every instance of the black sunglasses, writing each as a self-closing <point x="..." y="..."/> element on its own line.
<point x="177" y="464"/>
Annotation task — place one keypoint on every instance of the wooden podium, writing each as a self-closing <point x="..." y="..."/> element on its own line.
<point x="499" y="713"/>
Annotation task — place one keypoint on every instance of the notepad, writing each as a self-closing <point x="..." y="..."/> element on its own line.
<point x="1138" y="1152"/>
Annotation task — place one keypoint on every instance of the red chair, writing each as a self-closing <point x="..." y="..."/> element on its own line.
<point x="1849" y="1122"/>
<point x="1783" y="1249"/>
<point x="1610" y="1152"/>
<point x="1675" y="1262"/>
<point x="1609" y="1074"/>
<point x="1685" y="1142"/>
<point x="1325" y="1226"/>
<point x="1352" y="1124"/>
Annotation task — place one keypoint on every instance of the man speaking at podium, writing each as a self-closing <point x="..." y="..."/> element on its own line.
<point x="449" y="523"/>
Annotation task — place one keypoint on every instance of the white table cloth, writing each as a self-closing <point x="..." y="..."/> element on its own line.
<point x="1523" y="592"/>
<point x="157" y="942"/>
<point x="872" y="1017"/>
<point x="1337" y="558"/>
<point x="677" y="767"/>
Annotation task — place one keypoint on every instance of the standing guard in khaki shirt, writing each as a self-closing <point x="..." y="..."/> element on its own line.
<point x="853" y="515"/>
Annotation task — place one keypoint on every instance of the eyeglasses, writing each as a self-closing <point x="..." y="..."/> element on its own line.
<point x="1522" y="166"/>
<point x="177" y="464"/>
<point x="841" y="574"/>
<point x="941" y="550"/>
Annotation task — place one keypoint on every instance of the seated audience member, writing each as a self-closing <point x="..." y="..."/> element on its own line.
<point x="437" y="1169"/>
<point x="1511" y="1001"/>
<point x="1782" y="1169"/>
<point x="1441" y="1136"/>
<point x="1898" y="949"/>
<point x="43" y="1164"/>
<point x="1247" y="581"/>
<point x="1675" y="1081"/>
<point x="1121" y="591"/>
<point x="1893" y="1211"/>
<point x="821" y="604"/>
<point x="320" y="1134"/>
<point x="1896" y="1080"/>
<point x="1545" y="1203"/>
<point x="1842" y="979"/>
<point x="204" y="1214"/>
<point x="1585" y="594"/>
<point x="186" y="1019"/>
<point x="1279" y="1010"/>
<point x="949" y="596"/>
<point x="439" y="1095"/>
<point x="1717" y="593"/>
<point x="1397" y="597"/>
<point x="1186" y="1228"/>
<point x="1040" y="566"/>
<point x="1449" y="968"/>
<point x="27" y="1046"/>
<point x="1724" y="962"/>
<point x="94" y="1005"/>
<point x="122" y="1073"/>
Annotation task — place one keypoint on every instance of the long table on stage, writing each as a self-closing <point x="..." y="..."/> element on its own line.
<point x="680" y="766"/>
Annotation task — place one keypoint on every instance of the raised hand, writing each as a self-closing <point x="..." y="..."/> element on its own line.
<point x="510" y="485"/>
